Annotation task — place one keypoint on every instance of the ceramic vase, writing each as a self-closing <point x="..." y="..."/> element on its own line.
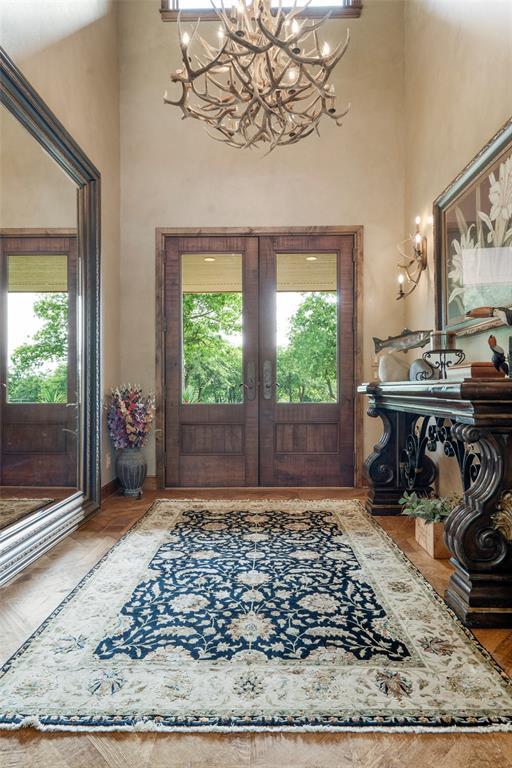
<point x="131" y="469"/>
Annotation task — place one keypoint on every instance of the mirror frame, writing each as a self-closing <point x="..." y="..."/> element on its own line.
<point x="28" y="538"/>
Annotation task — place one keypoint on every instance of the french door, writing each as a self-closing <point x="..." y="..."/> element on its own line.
<point x="258" y="361"/>
<point x="38" y="359"/>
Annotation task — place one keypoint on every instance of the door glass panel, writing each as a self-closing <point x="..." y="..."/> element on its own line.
<point x="212" y="315"/>
<point x="37" y="328"/>
<point x="306" y="328"/>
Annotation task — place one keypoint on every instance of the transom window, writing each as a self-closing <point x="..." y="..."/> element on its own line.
<point x="191" y="9"/>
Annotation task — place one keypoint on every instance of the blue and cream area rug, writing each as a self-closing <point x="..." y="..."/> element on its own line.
<point x="285" y="615"/>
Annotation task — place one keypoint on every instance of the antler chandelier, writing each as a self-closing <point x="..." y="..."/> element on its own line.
<point x="266" y="79"/>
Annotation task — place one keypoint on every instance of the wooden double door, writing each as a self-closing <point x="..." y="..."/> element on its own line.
<point x="258" y="361"/>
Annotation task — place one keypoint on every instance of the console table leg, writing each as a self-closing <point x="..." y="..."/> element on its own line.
<point x="479" y="532"/>
<point x="382" y="467"/>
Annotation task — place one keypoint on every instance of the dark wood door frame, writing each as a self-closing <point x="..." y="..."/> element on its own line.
<point x="166" y="232"/>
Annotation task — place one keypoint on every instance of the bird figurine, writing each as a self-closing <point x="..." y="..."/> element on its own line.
<point x="500" y="313"/>
<point x="498" y="355"/>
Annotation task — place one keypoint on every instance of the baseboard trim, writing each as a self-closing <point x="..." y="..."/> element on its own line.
<point x="109" y="489"/>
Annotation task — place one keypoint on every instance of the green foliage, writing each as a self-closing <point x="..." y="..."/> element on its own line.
<point x="212" y="362"/>
<point x="306" y="368"/>
<point x="432" y="510"/>
<point x="38" y="368"/>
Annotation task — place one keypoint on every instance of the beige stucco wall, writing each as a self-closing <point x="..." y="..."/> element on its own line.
<point x="458" y="93"/>
<point x="174" y="175"/>
<point x="69" y="53"/>
<point x="34" y="190"/>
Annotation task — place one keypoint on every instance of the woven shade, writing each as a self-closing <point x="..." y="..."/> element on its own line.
<point x="38" y="273"/>
<point x="224" y="273"/>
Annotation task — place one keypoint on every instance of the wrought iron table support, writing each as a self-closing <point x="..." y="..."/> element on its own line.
<point x="472" y="420"/>
<point x="384" y="466"/>
<point x="417" y="471"/>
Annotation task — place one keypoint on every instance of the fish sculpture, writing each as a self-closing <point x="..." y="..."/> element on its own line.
<point x="406" y="340"/>
<point x="500" y="313"/>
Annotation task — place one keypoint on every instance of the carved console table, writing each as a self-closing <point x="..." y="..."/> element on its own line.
<point x="472" y="422"/>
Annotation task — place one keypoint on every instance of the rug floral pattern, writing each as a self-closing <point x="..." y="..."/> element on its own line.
<point x="258" y="585"/>
<point x="234" y="615"/>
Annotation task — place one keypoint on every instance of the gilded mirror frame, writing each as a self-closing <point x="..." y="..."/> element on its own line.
<point x="30" y="537"/>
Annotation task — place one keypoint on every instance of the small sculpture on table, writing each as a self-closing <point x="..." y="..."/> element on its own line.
<point x="393" y="367"/>
<point x="498" y="355"/>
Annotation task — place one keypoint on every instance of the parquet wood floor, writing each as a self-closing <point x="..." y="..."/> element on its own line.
<point x="33" y="594"/>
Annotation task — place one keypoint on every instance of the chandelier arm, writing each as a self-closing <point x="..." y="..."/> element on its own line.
<point x="181" y="101"/>
<point x="338" y="116"/>
<point x="185" y="47"/>
<point x="317" y="42"/>
<point x="240" y="40"/>
<point x="226" y="140"/>
<point x="220" y="85"/>
<point x="295" y="113"/>
<point x="215" y="120"/>
<point x="294" y="98"/>
<point x="312" y="80"/>
<point x="209" y="97"/>
<point x="242" y="76"/>
<point x="296" y="10"/>
<point x="305" y="29"/>
<point x="297" y="138"/>
<point x="305" y="112"/>
<point x="276" y="83"/>
<point x="194" y="74"/>
<point x="328" y="62"/>
<point x="212" y="100"/>
<point x="338" y="52"/>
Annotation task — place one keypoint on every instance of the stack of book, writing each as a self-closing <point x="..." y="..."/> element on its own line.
<point x="475" y="370"/>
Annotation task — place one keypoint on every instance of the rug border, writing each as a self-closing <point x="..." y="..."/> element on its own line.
<point x="152" y="724"/>
<point x="39" y="508"/>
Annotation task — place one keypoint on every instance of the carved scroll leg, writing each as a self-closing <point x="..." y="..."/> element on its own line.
<point x="382" y="467"/>
<point x="480" y="590"/>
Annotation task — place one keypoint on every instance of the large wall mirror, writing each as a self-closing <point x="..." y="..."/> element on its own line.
<point x="49" y="327"/>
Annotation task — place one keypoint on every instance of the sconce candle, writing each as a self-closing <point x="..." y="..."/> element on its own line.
<point x="414" y="264"/>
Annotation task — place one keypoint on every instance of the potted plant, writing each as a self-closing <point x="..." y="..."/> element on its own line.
<point x="129" y="418"/>
<point x="429" y="513"/>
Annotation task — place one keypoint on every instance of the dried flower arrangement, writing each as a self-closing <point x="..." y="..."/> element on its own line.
<point x="130" y="415"/>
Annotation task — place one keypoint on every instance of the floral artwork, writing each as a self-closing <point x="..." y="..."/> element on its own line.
<point x="474" y="259"/>
<point x="129" y="416"/>
<point x="285" y="615"/>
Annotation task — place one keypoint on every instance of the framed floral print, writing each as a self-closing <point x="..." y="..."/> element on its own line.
<point x="473" y="238"/>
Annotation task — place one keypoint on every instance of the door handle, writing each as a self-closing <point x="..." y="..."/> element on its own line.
<point x="250" y="386"/>
<point x="268" y="382"/>
<point x="251" y="380"/>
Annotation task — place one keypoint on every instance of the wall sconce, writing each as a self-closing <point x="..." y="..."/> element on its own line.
<point x="410" y="271"/>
